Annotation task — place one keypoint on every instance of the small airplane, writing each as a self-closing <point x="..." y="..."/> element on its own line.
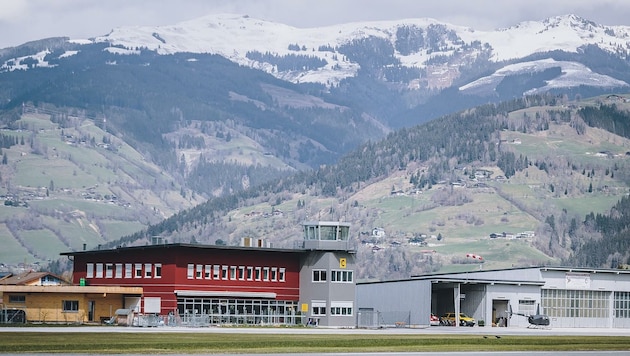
<point x="535" y="320"/>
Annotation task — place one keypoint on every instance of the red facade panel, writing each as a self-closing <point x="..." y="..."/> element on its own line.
<point x="164" y="269"/>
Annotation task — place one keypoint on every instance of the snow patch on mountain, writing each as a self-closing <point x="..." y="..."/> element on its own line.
<point x="26" y="62"/>
<point x="573" y="74"/>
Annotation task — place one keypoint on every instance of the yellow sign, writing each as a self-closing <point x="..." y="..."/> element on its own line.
<point x="304" y="308"/>
<point x="342" y="263"/>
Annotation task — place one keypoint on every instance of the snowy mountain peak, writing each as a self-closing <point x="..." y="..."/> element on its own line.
<point x="435" y="50"/>
<point x="234" y="36"/>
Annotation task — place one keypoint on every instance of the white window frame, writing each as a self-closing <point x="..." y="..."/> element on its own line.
<point x="128" y="270"/>
<point x="241" y="273"/>
<point x="216" y="272"/>
<point x="99" y="270"/>
<point x="207" y="271"/>
<point x="89" y="270"/>
<point x="319" y="276"/>
<point x="317" y="306"/>
<point x="199" y="271"/>
<point x="282" y="274"/>
<point x="118" y="273"/>
<point x="341" y="276"/>
<point x="250" y="273"/>
<point x="158" y="270"/>
<point x="191" y="271"/>
<point x="232" y="273"/>
<point x="257" y="273"/>
<point x="265" y="273"/>
<point x="148" y="270"/>
<point x="137" y="268"/>
<point x="109" y="270"/>
<point x="274" y="274"/>
<point x="341" y="308"/>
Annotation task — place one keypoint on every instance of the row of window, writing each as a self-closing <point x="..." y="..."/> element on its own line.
<point x="128" y="270"/>
<point x="319" y="308"/>
<point x="336" y="276"/>
<point x="234" y="273"/>
<point x="564" y="303"/>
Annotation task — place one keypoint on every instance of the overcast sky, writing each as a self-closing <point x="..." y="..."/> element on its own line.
<point x="26" y="20"/>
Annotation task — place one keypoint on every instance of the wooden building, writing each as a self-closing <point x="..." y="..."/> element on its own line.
<point x="46" y="298"/>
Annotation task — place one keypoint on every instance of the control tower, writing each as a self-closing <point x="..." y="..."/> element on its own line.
<point x="327" y="274"/>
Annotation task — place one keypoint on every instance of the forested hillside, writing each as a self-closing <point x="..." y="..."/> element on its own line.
<point x="531" y="168"/>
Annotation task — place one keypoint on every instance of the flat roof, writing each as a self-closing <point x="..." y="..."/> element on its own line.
<point x="184" y="245"/>
<point x="434" y="279"/>
<point x="450" y="277"/>
<point x="71" y="289"/>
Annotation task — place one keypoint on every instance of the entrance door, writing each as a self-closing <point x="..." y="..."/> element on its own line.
<point x="91" y="307"/>
<point x="500" y="313"/>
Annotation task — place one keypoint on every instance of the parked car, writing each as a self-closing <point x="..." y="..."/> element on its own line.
<point x="434" y="320"/>
<point x="464" y="320"/>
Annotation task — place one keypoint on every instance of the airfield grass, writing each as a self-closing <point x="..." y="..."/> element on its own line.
<point x="156" y="343"/>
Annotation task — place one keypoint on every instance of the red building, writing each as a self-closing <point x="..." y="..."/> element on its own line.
<point x="208" y="284"/>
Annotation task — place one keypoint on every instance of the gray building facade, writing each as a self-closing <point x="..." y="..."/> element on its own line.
<point x="327" y="278"/>
<point x="570" y="297"/>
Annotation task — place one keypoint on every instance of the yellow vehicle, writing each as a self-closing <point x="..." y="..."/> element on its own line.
<point x="464" y="320"/>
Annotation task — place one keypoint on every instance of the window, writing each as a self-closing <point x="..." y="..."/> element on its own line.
<point x="215" y="272"/>
<point x="109" y="270"/>
<point x="341" y="276"/>
<point x="318" y="308"/>
<point x="341" y="308"/>
<point x="191" y="271"/>
<point x="138" y="269"/>
<point x="274" y="273"/>
<point x="250" y="273"/>
<point x="13" y="298"/>
<point x="207" y="271"/>
<point x="199" y="272"/>
<point x="241" y="273"/>
<point x="527" y="306"/>
<point x="148" y="270"/>
<point x="565" y="303"/>
<point x="232" y="272"/>
<point x="281" y="273"/>
<point x="622" y="305"/>
<point x="128" y="272"/>
<point x="158" y="270"/>
<point x="224" y="272"/>
<point x="319" y="275"/>
<point x="119" y="270"/>
<point x="99" y="270"/>
<point x="266" y="273"/>
<point x="89" y="270"/>
<point x="70" y="305"/>
<point x="257" y="273"/>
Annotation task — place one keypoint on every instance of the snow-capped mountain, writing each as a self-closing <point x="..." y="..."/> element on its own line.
<point x="389" y="73"/>
<point x="438" y="51"/>
<point x="234" y="36"/>
<point x="572" y="74"/>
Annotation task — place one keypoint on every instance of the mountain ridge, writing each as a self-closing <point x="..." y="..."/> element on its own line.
<point x="277" y="142"/>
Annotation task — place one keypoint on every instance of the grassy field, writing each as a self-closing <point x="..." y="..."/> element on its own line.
<point x="163" y="343"/>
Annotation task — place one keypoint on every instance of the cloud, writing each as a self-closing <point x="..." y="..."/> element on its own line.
<point x="13" y="11"/>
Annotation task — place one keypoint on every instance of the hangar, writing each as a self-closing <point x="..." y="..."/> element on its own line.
<point x="570" y="297"/>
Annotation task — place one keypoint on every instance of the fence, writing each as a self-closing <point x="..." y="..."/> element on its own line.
<point x="377" y="319"/>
